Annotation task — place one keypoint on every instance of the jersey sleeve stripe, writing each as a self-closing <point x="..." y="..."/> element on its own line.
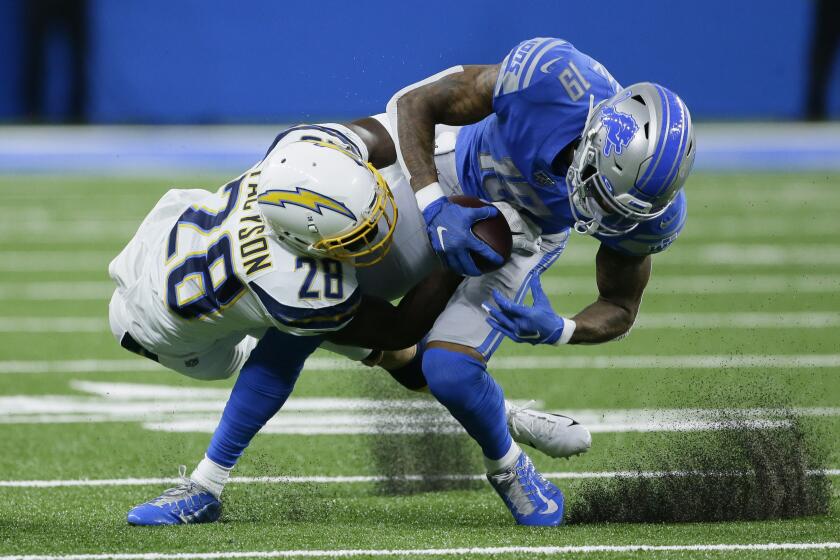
<point x="500" y="79"/>
<point x="322" y="318"/>
<point x="538" y="58"/>
<point x="519" y="65"/>
<point x="532" y="52"/>
<point x="513" y="67"/>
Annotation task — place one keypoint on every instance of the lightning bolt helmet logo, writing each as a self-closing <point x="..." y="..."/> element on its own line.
<point x="305" y="198"/>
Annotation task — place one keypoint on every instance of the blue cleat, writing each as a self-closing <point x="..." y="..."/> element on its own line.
<point x="186" y="503"/>
<point x="531" y="499"/>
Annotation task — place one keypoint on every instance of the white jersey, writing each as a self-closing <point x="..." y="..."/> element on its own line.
<point x="203" y="267"/>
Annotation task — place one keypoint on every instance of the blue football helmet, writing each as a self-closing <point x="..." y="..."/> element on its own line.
<point x="636" y="151"/>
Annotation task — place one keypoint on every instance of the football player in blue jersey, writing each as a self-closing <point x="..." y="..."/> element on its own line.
<point x="549" y="132"/>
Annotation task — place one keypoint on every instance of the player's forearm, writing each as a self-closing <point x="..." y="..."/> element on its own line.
<point x="621" y="282"/>
<point x="416" y="130"/>
<point x="427" y="300"/>
<point x="419" y="309"/>
<point x="457" y="96"/>
<point x="602" y="321"/>
<point x="380" y="325"/>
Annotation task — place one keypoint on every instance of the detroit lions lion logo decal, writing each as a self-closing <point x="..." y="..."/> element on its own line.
<point x="621" y="128"/>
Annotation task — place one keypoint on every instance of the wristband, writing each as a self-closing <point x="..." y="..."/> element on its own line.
<point x="568" y="330"/>
<point x="428" y="194"/>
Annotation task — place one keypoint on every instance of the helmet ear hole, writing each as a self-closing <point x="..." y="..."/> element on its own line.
<point x="639" y="99"/>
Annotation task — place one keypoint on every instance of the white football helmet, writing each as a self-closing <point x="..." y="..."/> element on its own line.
<point x="322" y="200"/>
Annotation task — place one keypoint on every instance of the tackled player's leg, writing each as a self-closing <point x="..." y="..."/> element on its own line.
<point x="455" y="367"/>
<point x="556" y="435"/>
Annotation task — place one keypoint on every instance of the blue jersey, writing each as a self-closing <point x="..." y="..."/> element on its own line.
<point x="542" y="98"/>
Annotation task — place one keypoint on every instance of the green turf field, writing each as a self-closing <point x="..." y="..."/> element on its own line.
<point x="742" y="312"/>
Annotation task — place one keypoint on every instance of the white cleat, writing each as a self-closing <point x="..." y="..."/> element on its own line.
<point x="554" y="434"/>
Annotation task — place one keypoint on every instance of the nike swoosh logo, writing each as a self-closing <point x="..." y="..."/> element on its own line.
<point x="551" y="505"/>
<point x="546" y="68"/>
<point x="574" y="422"/>
<point x="440" y="231"/>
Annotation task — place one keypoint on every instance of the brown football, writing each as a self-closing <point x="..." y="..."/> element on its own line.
<point x="493" y="231"/>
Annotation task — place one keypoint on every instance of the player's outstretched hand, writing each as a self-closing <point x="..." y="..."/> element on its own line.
<point x="538" y="324"/>
<point x="450" y="230"/>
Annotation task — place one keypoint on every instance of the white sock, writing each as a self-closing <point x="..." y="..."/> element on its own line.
<point x="211" y="476"/>
<point x="505" y="462"/>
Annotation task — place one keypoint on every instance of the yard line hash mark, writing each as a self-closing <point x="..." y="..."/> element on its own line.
<point x="524" y="363"/>
<point x="661" y="283"/>
<point x="196" y="410"/>
<point x="353" y="479"/>
<point x="736" y="254"/>
<point x="485" y="550"/>
<point x="737" y="320"/>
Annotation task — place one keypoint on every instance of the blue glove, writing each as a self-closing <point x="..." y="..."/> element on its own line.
<point x="449" y="227"/>
<point x="535" y="325"/>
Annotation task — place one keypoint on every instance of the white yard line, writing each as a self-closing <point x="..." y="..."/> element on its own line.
<point x="356" y="479"/>
<point x="78" y="366"/>
<point x="739" y="320"/>
<point x="363" y="424"/>
<point x="747" y="320"/>
<point x="523" y="363"/>
<point x="519" y="551"/>
<point x="23" y="225"/>
<point x="27" y="227"/>
<point x="52" y="291"/>
<point x="555" y="282"/>
<point x="735" y="254"/>
<point x="173" y="409"/>
<point x="53" y="324"/>
<point x="55" y="261"/>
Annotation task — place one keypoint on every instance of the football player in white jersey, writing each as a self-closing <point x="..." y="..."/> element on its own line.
<point x="305" y="247"/>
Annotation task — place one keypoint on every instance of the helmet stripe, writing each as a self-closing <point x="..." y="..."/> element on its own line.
<point x="670" y="144"/>
<point x="684" y="136"/>
<point x="660" y="141"/>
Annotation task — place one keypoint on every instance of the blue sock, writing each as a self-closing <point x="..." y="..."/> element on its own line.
<point x="264" y="384"/>
<point x="461" y="384"/>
